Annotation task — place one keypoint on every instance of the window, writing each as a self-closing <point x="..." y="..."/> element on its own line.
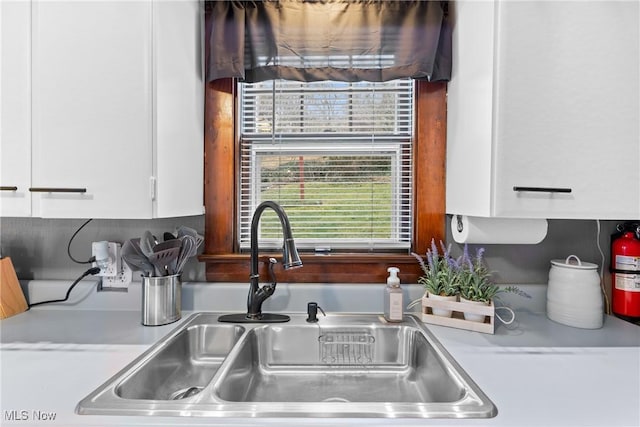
<point x="335" y="155"/>
<point x="223" y="256"/>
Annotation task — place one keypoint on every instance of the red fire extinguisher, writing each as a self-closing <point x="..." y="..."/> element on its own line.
<point x="625" y="271"/>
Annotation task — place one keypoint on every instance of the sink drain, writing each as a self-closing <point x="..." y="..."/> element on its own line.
<point x="336" y="399"/>
<point x="185" y="392"/>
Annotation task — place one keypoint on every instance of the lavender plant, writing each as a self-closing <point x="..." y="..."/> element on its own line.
<point x="475" y="279"/>
<point x="440" y="271"/>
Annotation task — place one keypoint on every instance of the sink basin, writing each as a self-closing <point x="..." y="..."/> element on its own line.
<point x="369" y="363"/>
<point x="183" y="366"/>
<point x="343" y="366"/>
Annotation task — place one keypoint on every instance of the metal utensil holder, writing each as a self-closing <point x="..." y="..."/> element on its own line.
<point x="161" y="300"/>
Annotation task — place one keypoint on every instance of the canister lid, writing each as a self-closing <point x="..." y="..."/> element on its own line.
<point x="574" y="263"/>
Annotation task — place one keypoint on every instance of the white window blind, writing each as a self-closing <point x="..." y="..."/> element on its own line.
<point x="335" y="155"/>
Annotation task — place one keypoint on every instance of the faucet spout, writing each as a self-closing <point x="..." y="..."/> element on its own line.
<point x="257" y="295"/>
<point x="290" y="259"/>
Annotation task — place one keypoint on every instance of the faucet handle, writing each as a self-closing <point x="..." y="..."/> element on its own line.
<point x="272" y="275"/>
<point x="312" y="312"/>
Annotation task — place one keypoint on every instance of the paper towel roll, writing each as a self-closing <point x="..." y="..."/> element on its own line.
<point x="473" y="229"/>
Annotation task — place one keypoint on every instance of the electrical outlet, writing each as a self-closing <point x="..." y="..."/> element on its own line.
<point x="115" y="273"/>
<point x="120" y="280"/>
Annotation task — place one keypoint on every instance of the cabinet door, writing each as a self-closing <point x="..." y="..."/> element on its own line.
<point x="15" y="98"/>
<point x="179" y="107"/>
<point x="567" y="109"/>
<point x="92" y="122"/>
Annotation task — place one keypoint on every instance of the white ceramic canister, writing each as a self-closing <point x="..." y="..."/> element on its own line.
<point x="574" y="296"/>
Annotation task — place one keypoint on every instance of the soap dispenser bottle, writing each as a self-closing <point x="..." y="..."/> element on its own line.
<point x="393" y="306"/>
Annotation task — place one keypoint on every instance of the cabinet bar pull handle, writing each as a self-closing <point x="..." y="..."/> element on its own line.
<point x="8" y="188"/>
<point x="543" y="189"/>
<point x="57" y="190"/>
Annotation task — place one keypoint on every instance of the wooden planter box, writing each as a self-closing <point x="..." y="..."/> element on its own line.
<point x="457" y="319"/>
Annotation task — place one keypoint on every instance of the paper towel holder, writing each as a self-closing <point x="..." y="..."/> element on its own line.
<point x="460" y="225"/>
<point x="498" y="230"/>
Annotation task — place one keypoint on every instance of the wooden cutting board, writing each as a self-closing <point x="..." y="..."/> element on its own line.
<point x="12" y="299"/>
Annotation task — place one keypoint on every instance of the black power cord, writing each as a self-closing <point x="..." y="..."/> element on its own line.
<point x="90" y="260"/>
<point x="92" y="271"/>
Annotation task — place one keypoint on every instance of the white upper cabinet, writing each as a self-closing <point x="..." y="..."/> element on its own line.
<point x="92" y="108"/>
<point x="179" y="107"/>
<point x="117" y="109"/>
<point x="15" y="106"/>
<point x="544" y="110"/>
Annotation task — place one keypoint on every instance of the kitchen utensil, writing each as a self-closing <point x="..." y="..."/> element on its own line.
<point x="162" y="259"/>
<point x="168" y="236"/>
<point x="187" y="231"/>
<point x="147" y="242"/>
<point x="135" y="259"/>
<point x="161" y="300"/>
<point x="189" y="248"/>
<point x="574" y="296"/>
<point x="183" y="230"/>
<point x="12" y="300"/>
<point x="167" y="244"/>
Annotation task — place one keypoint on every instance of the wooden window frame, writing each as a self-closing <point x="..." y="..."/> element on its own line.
<point x="224" y="262"/>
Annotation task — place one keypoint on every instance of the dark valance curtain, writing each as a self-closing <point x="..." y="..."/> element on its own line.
<point x="343" y="40"/>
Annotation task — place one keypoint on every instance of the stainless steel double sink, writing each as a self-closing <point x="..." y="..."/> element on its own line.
<point x="343" y="366"/>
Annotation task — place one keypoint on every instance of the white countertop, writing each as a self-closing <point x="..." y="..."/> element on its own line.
<point x="537" y="372"/>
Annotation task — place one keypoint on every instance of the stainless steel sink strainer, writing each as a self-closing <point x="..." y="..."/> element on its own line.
<point x="185" y="392"/>
<point x="346" y="348"/>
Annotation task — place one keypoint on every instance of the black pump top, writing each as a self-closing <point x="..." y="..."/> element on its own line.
<point x="312" y="312"/>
